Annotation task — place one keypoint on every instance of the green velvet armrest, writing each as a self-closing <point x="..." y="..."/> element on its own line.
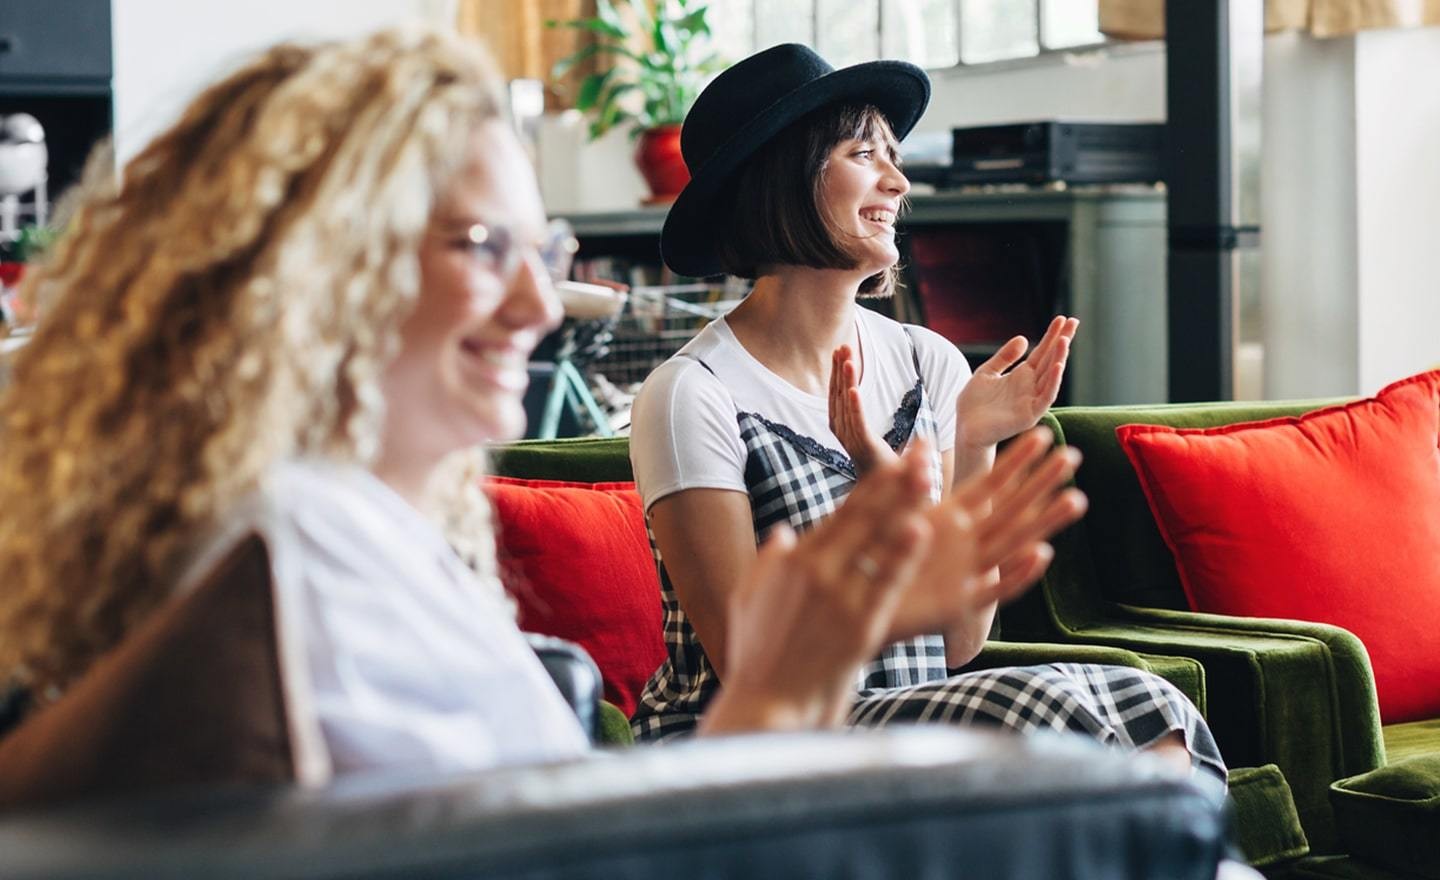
<point x="613" y="728"/>
<point x="1185" y="673"/>
<point x="1299" y="695"/>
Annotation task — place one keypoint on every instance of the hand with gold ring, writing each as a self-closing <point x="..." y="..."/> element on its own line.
<point x="997" y="520"/>
<point x="867" y="566"/>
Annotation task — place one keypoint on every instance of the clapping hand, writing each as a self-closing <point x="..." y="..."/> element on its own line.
<point x="847" y="416"/>
<point x="812" y="609"/>
<point x="988" y="537"/>
<point x="886" y="565"/>
<point x="999" y="402"/>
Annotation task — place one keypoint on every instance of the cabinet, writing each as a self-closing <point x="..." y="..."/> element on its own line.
<point x="56" y="65"/>
<point x="981" y="267"/>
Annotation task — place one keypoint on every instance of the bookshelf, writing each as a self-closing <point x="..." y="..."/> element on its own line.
<point x="981" y="267"/>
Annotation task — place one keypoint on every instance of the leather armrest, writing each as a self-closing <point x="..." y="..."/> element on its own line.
<point x="901" y="803"/>
<point x="575" y="675"/>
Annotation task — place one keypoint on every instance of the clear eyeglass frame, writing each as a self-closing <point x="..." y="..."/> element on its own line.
<point x="498" y="247"/>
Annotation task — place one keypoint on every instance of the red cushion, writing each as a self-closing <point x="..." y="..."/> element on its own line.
<point x="577" y="559"/>
<point x="1332" y="517"/>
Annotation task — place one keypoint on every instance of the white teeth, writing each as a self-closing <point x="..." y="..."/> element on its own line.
<point x="500" y="359"/>
<point x="884" y="217"/>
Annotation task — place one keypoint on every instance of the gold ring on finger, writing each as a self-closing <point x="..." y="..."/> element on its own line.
<point x="867" y="566"/>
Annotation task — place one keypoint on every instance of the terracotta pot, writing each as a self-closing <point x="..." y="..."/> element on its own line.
<point x="658" y="157"/>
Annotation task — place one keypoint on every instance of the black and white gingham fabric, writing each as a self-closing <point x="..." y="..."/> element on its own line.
<point x="795" y="479"/>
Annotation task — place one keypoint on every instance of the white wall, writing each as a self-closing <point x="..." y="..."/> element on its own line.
<point x="1127" y="84"/>
<point x="1397" y="161"/>
<point x="1307" y="218"/>
<point x="167" y="50"/>
<point x="1352" y="211"/>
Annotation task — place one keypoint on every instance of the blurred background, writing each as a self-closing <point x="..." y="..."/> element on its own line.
<point x="1323" y="177"/>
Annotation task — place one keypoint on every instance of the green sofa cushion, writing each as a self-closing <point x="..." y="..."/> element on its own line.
<point x="1270" y="833"/>
<point x="1390" y="817"/>
<point x="1412" y="739"/>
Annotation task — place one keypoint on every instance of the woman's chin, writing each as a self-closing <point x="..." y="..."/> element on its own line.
<point x="506" y="425"/>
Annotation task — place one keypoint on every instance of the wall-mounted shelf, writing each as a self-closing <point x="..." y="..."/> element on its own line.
<point x="984" y="266"/>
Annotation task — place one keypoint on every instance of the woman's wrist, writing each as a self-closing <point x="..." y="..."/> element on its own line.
<point x="740" y="709"/>
<point x="971" y="457"/>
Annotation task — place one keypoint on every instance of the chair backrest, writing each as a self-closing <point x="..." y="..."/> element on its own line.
<point x="1116" y="553"/>
<point x="193" y="696"/>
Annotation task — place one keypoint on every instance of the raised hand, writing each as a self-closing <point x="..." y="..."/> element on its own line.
<point x="999" y="402"/>
<point x="847" y="416"/>
<point x="813" y="609"/>
<point x="1002" y="519"/>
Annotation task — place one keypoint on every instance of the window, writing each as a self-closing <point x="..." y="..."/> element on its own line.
<point x="931" y="33"/>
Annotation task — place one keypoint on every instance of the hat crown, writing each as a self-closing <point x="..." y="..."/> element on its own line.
<point x="742" y="92"/>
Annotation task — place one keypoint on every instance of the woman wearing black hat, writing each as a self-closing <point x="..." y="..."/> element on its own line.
<point x="770" y="414"/>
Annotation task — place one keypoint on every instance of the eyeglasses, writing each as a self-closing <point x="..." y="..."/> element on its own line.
<point x="499" y="248"/>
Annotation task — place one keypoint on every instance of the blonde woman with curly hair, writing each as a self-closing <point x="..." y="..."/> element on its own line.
<point x="301" y="307"/>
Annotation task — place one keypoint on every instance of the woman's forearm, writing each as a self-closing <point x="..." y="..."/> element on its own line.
<point x="963" y="642"/>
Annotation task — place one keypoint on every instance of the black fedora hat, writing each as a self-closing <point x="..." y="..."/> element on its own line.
<point x="748" y="105"/>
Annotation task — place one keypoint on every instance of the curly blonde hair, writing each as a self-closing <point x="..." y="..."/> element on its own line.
<point x="231" y="303"/>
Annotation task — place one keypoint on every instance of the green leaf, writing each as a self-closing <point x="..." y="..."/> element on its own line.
<point x="564" y="65"/>
<point x="606" y="12"/>
<point x="695" y="22"/>
<point x="593" y="25"/>
<point x="590" y="89"/>
<point x="666" y="40"/>
<point x="641" y="8"/>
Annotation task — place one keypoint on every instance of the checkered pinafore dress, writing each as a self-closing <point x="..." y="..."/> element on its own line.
<point x="795" y="479"/>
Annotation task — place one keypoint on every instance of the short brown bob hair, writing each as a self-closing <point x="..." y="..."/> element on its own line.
<point x="772" y="216"/>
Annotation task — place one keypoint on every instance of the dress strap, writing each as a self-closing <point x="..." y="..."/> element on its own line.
<point x="697" y="360"/>
<point x="914" y="354"/>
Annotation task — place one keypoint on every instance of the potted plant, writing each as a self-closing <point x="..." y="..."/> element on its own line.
<point x="660" y="56"/>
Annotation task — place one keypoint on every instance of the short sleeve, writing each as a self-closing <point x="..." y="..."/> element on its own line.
<point x="683" y="433"/>
<point x="945" y="372"/>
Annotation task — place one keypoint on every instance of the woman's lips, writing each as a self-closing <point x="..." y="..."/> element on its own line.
<point x="502" y="365"/>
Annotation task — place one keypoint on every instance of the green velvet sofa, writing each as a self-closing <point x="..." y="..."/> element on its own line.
<point x="1292" y="704"/>
<point x="1293" y="694"/>
<point x="601" y="460"/>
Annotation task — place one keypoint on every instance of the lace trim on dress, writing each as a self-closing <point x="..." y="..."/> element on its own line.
<point x="834" y="458"/>
<point x="903" y="424"/>
<point x="901" y="427"/>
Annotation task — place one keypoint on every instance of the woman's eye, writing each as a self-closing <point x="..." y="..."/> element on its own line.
<point x="865" y="154"/>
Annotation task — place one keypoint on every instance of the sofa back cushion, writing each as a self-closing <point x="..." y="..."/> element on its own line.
<point x="578" y="460"/>
<point x="1118" y="544"/>
<point x="1332" y="517"/>
<point x="576" y="557"/>
<point x="193" y="696"/>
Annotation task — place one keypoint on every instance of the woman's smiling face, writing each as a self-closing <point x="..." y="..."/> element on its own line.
<point x="860" y="194"/>
<point x="485" y="301"/>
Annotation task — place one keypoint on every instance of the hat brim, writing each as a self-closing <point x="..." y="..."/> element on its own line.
<point x="900" y="90"/>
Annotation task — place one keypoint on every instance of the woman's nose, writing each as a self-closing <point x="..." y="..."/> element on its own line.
<point x="895" y="181"/>
<point x="531" y="300"/>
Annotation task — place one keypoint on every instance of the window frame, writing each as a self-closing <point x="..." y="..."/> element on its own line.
<point x="1043" y="53"/>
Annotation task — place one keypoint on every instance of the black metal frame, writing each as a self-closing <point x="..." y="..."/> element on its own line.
<point x="1204" y="233"/>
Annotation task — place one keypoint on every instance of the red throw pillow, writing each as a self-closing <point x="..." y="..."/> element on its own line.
<point x="1331" y="517"/>
<point x="577" y="559"/>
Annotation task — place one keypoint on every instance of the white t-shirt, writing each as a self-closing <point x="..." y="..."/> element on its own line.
<point x="683" y="430"/>
<point x="390" y="645"/>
